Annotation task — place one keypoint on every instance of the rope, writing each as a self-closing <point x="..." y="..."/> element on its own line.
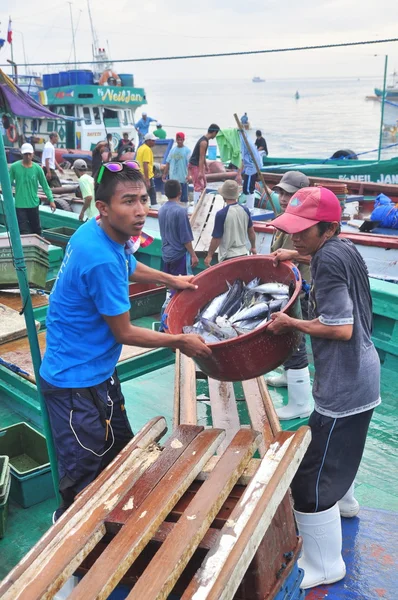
<point x="216" y="54"/>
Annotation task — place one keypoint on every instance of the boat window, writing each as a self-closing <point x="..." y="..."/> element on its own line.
<point x="50" y="126"/>
<point x="97" y="114"/>
<point x="126" y="117"/>
<point x="86" y="115"/>
<point x="111" y="118"/>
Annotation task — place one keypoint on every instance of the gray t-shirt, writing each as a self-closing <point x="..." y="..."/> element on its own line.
<point x="175" y="230"/>
<point x="347" y="373"/>
<point x="231" y="225"/>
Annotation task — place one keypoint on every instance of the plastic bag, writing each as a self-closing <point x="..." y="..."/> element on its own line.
<point x="386" y="212"/>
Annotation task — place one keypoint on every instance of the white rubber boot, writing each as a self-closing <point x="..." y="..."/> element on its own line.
<point x="278" y="380"/>
<point x="348" y="505"/>
<point x="250" y="201"/>
<point x="321" y="557"/>
<point x="299" y="403"/>
<point x="196" y="196"/>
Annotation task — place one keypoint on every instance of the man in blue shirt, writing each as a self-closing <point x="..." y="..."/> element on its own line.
<point x="87" y="324"/>
<point x="178" y="255"/>
<point x="177" y="165"/>
<point x="142" y="126"/>
<point x="249" y="170"/>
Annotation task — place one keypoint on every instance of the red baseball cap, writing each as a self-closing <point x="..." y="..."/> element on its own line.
<point x="181" y="135"/>
<point x="307" y="207"/>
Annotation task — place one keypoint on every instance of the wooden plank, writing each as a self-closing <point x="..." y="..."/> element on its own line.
<point x="269" y="406"/>
<point x="224" y="412"/>
<point x="199" y="213"/>
<point x="203" y="242"/>
<point x="166" y="528"/>
<point x="173" y="449"/>
<point x="177" y="384"/>
<point x="187" y="378"/>
<point x="89" y="508"/>
<point x="225" y="565"/>
<point x="113" y="563"/>
<point x="12" y="324"/>
<point x="13" y="299"/>
<point x="162" y="573"/>
<point x="258" y="416"/>
<point x="244" y="479"/>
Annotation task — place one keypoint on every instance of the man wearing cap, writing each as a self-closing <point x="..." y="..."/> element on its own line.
<point x="159" y="132"/>
<point x="145" y="159"/>
<point x="233" y="226"/>
<point x="86" y="184"/>
<point x="27" y="175"/>
<point x="142" y="126"/>
<point x="296" y="375"/>
<point x="197" y="163"/>
<point x="177" y="165"/>
<point x="347" y="377"/>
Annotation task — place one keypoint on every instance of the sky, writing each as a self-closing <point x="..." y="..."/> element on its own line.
<point x="43" y="33"/>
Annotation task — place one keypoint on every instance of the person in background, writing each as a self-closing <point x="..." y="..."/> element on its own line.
<point x="244" y="119"/>
<point x="261" y="144"/>
<point x="48" y="161"/>
<point x="178" y="255"/>
<point x="142" y="126"/>
<point x="248" y="169"/>
<point x="296" y="375"/>
<point x="197" y="163"/>
<point x="110" y="145"/>
<point x="233" y="227"/>
<point x="86" y="185"/>
<point x="27" y="175"/>
<point x="88" y="322"/>
<point x="347" y="377"/>
<point x="145" y="159"/>
<point x="177" y="165"/>
<point x="124" y="145"/>
<point x="159" y="132"/>
<point x="98" y="153"/>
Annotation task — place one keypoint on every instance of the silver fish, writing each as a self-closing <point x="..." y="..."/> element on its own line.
<point x="220" y="332"/>
<point x="272" y="288"/>
<point x="253" y="283"/>
<point x="208" y="337"/>
<point x="212" y="311"/>
<point x="257" y="310"/>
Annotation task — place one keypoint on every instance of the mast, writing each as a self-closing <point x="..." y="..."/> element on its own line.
<point x="98" y="53"/>
<point x="73" y="32"/>
<point x="95" y="44"/>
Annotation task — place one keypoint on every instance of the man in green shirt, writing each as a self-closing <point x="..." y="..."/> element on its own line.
<point x="26" y="176"/>
<point x="159" y="132"/>
<point x="86" y="184"/>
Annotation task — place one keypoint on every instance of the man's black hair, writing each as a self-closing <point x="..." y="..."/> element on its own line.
<point x="109" y="136"/>
<point x="105" y="190"/>
<point x="172" y="188"/>
<point x="323" y="226"/>
<point x="258" y="132"/>
<point x="213" y="127"/>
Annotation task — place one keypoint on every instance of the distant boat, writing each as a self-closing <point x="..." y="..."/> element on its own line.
<point x="391" y="90"/>
<point x="258" y="80"/>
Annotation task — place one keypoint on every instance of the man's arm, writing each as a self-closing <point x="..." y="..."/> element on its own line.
<point x="202" y="156"/>
<point x="145" y="166"/>
<point x="166" y="170"/>
<point x="214" y="244"/>
<point x="86" y="205"/>
<point x="144" y="274"/>
<point x="126" y="333"/>
<point x="57" y="166"/>
<point x="252" y="239"/>
<point x="284" y="254"/>
<point x="281" y="323"/>
<point x="192" y="253"/>
<point x="48" y="169"/>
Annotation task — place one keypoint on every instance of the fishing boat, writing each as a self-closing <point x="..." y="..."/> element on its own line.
<point x="258" y="80"/>
<point x="391" y="89"/>
<point x="383" y="171"/>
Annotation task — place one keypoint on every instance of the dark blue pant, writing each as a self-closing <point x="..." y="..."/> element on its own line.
<point x="90" y="427"/>
<point x="184" y="192"/>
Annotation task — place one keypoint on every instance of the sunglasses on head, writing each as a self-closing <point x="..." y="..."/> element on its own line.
<point x="116" y="167"/>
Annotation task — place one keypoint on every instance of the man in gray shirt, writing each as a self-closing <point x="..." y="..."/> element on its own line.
<point x="347" y="377"/>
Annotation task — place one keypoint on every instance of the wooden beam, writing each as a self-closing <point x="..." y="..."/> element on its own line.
<point x="187" y="387"/>
<point x="225" y="565"/>
<point x="224" y="412"/>
<point x="269" y="406"/>
<point x="258" y="416"/>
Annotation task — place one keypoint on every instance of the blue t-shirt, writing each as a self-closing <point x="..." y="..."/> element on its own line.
<point x="81" y="350"/>
<point x="249" y="168"/>
<point x="175" y="230"/>
<point x="178" y="161"/>
<point x="143" y="125"/>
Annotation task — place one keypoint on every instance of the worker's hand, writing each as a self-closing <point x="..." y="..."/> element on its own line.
<point x="193" y="346"/>
<point x="194" y="261"/>
<point x="81" y="216"/>
<point x="283" y="254"/>
<point x="253" y="251"/>
<point x="183" y="282"/>
<point x="48" y="176"/>
<point x="147" y="183"/>
<point x="238" y="179"/>
<point x="164" y="178"/>
<point x="53" y="206"/>
<point x="60" y="169"/>
<point x="208" y="260"/>
<point x="280" y="323"/>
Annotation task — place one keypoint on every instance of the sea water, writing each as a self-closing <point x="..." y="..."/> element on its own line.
<point x="331" y="114"/>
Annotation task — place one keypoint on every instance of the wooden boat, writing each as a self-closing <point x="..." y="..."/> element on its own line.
<point x="258" y="80"/>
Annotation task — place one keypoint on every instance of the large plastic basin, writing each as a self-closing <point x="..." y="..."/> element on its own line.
<point x="254" y="353"/>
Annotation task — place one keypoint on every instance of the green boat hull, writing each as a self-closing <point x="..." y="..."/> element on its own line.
<point x="384" y="171"/>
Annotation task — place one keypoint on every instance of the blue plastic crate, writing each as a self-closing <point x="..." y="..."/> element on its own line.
<point x="290" y="588"/>
<point x="31" y="489"/>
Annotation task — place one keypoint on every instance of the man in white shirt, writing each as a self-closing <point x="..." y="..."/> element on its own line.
<point x="49" y="163"/>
